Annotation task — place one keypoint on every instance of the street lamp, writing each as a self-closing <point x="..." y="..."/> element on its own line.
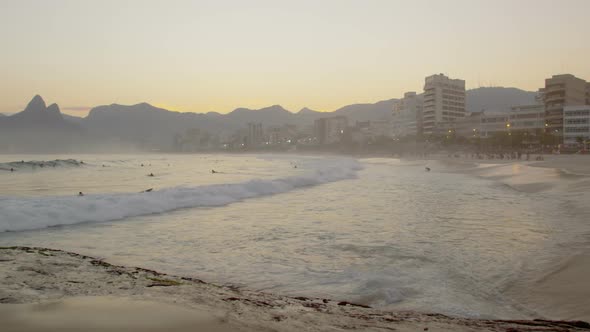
<point x="509" y="134"/>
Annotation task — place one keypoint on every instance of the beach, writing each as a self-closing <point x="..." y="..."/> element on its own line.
<point x="562" y="292"/>
<point x="369" y="244"/>
<point x="53" y="290"/>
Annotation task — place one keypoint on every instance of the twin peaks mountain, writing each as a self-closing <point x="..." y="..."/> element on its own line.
<point x="42" y="128"/>
<point x="38" y="128"/>
<point x="37" y="113"/>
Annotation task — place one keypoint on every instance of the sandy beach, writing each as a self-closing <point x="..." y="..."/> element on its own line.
<point x="563" y="292"/>
<point x="53" y="290"/>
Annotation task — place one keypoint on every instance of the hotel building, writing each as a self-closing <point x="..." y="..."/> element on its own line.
<point x="444" y="103"/>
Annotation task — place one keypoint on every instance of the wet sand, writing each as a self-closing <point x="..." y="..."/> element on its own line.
<point x="563" y="292"/>
<point x="107" y="313"/>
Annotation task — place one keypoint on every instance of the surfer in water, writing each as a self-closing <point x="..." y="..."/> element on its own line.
<point x="80" y="194"/>
<point x="12" y="169"/>
<point x="148" y="190"/>
<point x="151" y="174"/>
<point x="213" y="171"/>
<point x="427" y="169"/>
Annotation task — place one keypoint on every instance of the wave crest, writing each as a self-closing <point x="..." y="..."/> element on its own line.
<point x="18" y="214"/>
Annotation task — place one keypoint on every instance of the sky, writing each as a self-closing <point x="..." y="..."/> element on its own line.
<point x="202" y="56"/>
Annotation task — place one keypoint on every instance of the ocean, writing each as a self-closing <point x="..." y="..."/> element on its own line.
<point x="378" y="231"/>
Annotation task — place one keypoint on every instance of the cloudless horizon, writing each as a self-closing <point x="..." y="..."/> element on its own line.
<point x="203" y="56"/>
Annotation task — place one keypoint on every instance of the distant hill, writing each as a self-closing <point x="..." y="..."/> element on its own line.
<point x="143" y="126"/>
<point x="307" y="111"/>
<point x="156" y="127"/>
<point x="72" y="119"/>
<point x="362" y="112"/>
<point x="38" y="128"/>
<point x="497" y="98"/>
<point x="37" y="113"/>
<point x="268" y="116"/>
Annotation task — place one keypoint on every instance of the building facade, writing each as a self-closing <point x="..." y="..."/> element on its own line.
<point x="470" y="125"/>
<point x="255" y="135"/>
<point x="576" y="124"/>
<point x="444" y="103"/>
<point x="493" y="122"/>
<point x="281" y="135"/>
<point x="330" y="130"/>
<point x="561" y="91"/>
<point x="528" y="118"/>
<point x="406" y="115"/>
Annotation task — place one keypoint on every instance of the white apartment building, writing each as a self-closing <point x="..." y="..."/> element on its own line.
<point x="492" y="122"/>
<point x="406" y="114"/>
<point x="529" y="118"/>
<point x="576" y="123"/>
<point x="444" y="103"/>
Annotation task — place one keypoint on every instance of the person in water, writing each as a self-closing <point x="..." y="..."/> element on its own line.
<point x="213" y="171"/>
<point x="427" y="169"/>
<point x="80" y="194"/>
<point x="12" y="169"/>
<point x="151" y="174"/>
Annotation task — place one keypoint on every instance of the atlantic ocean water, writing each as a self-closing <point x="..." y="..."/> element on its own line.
<point x="377" y="231"/>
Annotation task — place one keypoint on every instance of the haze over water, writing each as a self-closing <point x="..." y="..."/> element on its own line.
<point x="376" y="231"/>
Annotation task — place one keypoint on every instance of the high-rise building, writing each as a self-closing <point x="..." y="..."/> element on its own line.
<point x="330" y="130"/>
<point x="561" y="91"/>
<point x="444" y="103"/>
<point x="406" y="115"/>
<point x="255" y="134"/>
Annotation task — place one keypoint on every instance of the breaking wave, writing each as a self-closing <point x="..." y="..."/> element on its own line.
<point x="36" y="164"/>
<point x="18" y="214"/>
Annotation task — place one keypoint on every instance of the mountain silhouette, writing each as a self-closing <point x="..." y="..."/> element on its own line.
<point x="38" y="128"/>
<point x="497" y="98"/>
<point x="149" y="127"/>
<point x="37" y="114"/>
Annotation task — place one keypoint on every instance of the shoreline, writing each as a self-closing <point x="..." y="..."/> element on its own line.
<point x="560" y="290"/>
<point x="40" y="276"/>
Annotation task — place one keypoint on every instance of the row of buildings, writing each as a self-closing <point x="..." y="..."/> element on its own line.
<point x="562" y="110"/>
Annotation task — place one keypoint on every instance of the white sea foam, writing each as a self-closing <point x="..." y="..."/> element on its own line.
<point x="18" y="214"/>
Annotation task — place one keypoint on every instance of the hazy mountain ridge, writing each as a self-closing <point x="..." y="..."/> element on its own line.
<point x="149" y="127"/>
<point x="497" y="98"/>
<point x="38" y="128"/>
